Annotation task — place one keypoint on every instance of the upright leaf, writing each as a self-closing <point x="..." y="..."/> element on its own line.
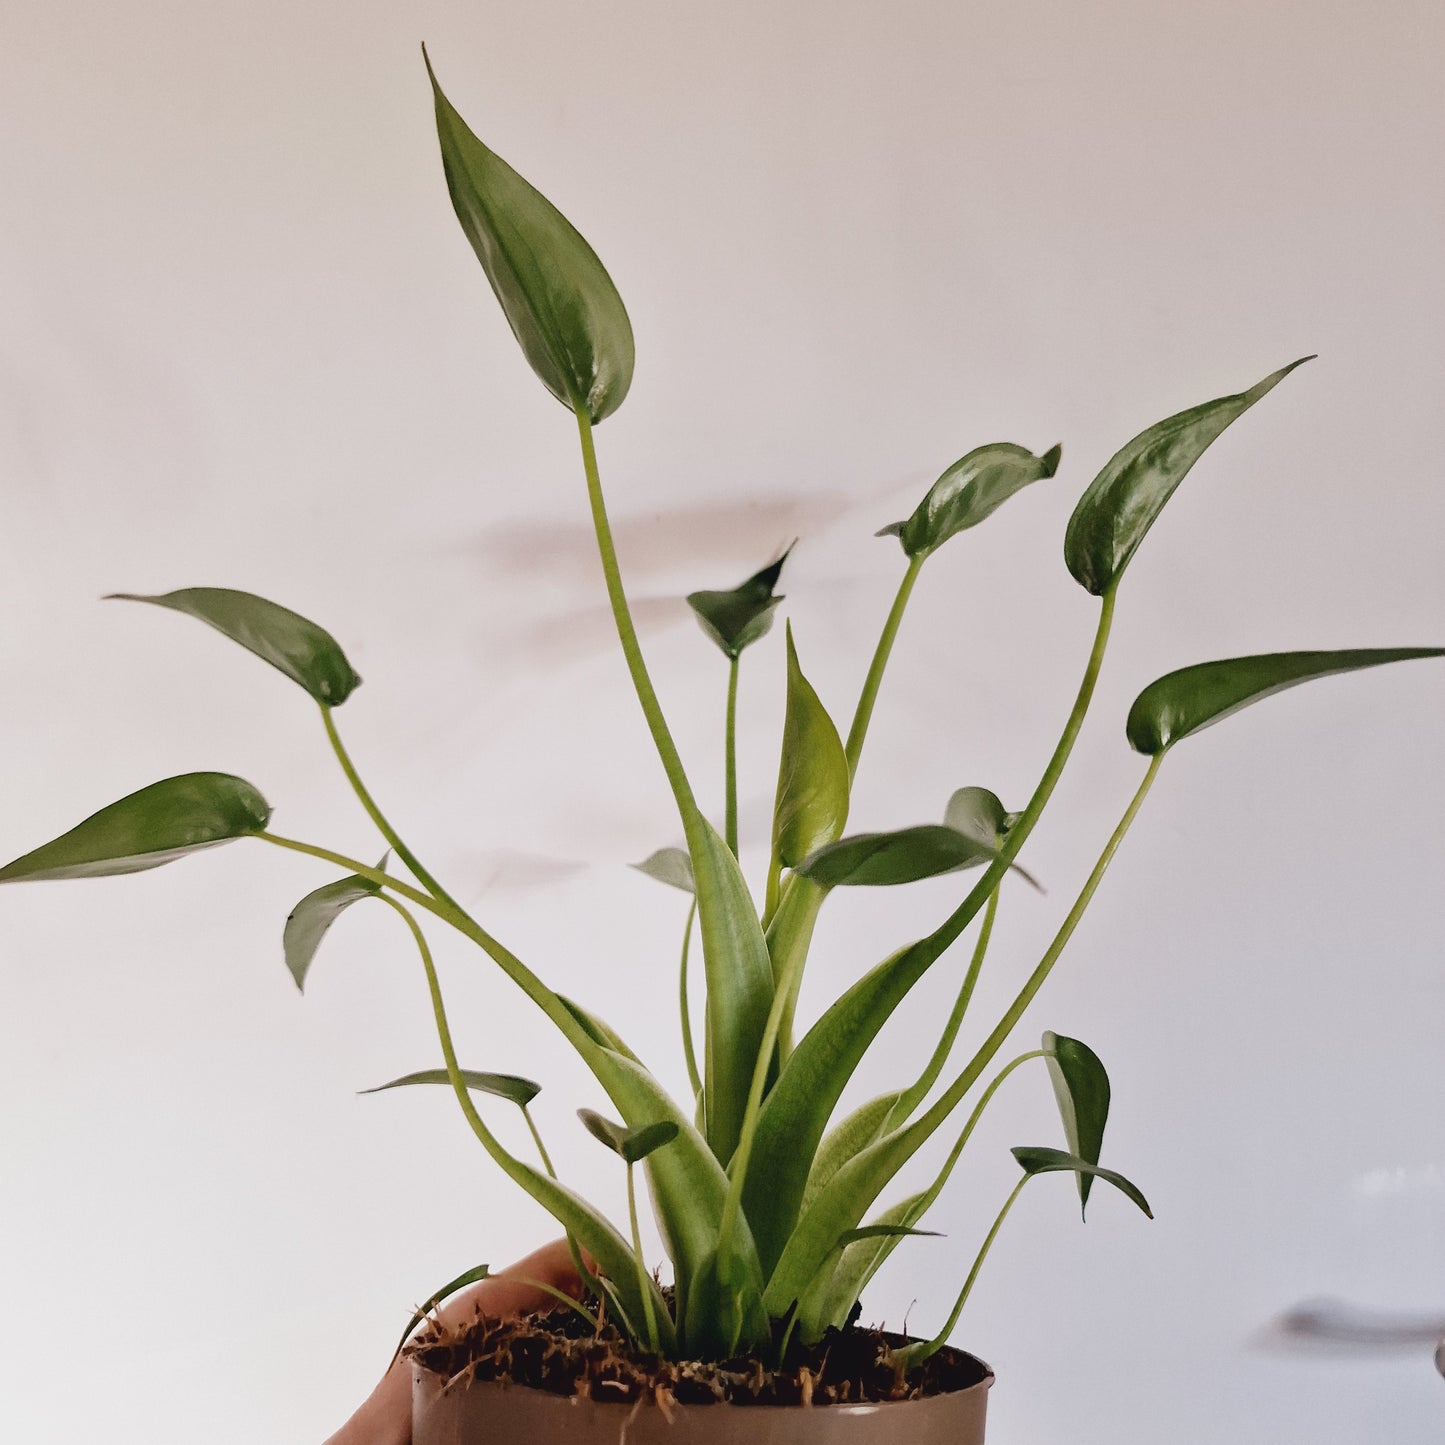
<point x="308" y="923"/>
<point x="309" y="655"/>
<point x="156" y="825"/>
<point x="1081" y="1087"/>
<point x="1122" y="502"/>
<point x="970" y="491"/>
<point x="515" y="1090"/>
<point x="1192" y="698"/>
<point x="560" y="302"/>
<point x="1033" y="1160"/>
<point x="813" y="777"/>
<point x="737" y="618"/>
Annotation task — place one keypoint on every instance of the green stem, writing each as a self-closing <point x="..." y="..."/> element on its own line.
<point x="915" y="1355"/>
<point x="863" y="715"/>
<point x="644" y="1283"/>
<point x="558" y="1294"/>
<point x="578" y="1263"/>
<point x="731" y="749"/>
<point x="693" y="1076"/>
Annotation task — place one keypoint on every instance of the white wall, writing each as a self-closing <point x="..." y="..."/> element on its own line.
<point x="245" y="345"/>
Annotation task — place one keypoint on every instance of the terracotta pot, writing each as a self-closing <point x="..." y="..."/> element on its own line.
<point x="490" y="1414"/>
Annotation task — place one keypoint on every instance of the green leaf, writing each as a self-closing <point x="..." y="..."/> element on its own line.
<point x="1081" y="1086"/>
<point x="970" y="491"/>
<point x="634" y="1145"/>
<point x="470" y="1276"/>
<point x="308" y="923"/>
<point x="560" y="302"/>
<point x="1121" y="503"/>
<point x="843" y="1141"/>
<point x="885" y="1231"/>
<point x="1192" y="698"/>
<point x="875" y="860"/>
<point x="738" y="618"/>
<point x="156" y="825"/>
<point x="672" y="866"/>
<point x="518" y="1091"/>
<point x="978" y="814"/>
<point x="309" y="655"/>
<point x="1034" y="1160"/>
<point x="813" y="776"/>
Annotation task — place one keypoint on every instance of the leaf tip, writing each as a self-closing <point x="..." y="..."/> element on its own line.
<point x="1049" y="461"/>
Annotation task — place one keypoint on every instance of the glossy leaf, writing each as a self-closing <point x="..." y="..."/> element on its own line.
<point x="559" y="300"/>
<point x="874" y="860"/>
<point x="634" y="1145"/>
<point x="1034" y="1160"/>
<point x="1081" y="1087"/>
<point x="156" y="825"/>
<point x="1192" y="698"/>
<point x="970" y="491"/>
<point x="310" y="920"/>
<point x="1122" y="502"/>
<point x="737" y="618"/>
<point x="518" y="1091"/>
<point x="309" y="655"/>
<point x="813" y="777"/>
<point x="672" y="866"/>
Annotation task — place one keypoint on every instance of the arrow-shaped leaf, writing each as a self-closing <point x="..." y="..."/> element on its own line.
<point x="156" y="825"/>
<point x="1122" y="502"/>
<point x="309" y="655"/>
<point x="970" y="491"/>
<point x="672" y="866"/>
<point x="737" y="618"/>
<point x="1081" y="1086"/>
<point x="311" y="919"/>
<point x="634" y="1145"/>
<point x="559" y="300"/>
<point x="516" y="1090"/>
<point x="813" y="777"/>
<point x="877" y="860"/>
<point x="1192" y="698"/>
<point x="1034" y="1160"/>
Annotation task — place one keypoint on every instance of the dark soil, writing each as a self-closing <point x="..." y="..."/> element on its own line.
<point x="559" y="1352"/>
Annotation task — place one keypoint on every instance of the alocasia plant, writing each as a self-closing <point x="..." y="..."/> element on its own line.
<point x="763" y="1208"/>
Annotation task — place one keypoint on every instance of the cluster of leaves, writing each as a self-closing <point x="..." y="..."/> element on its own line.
<point x="763" y="1207"/>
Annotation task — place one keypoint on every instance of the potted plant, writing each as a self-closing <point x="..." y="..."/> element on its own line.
<point x="769" y="1206"/>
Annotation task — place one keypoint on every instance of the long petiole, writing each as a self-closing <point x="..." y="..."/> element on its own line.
<point x="689" y="1052"/>
<point x="578" y="1263"/>
<point x="913" y="1355"/>
<point x="644" y="1283"/>
<point x="730" y="827"/>
<point x="863" y="714"/>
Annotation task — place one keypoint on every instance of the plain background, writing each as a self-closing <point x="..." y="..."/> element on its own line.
<point x="244" y="344"/>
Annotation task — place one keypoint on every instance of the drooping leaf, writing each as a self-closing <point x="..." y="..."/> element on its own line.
<point x="737" y="618"/>
<point x="885" y="1231"/>
<point x="1081" y="1087"/>
<point x="1122" y="502"/>
<point x="309" y="655"/>
<point x="1033" y="1160"/>
<point x="156" y="825"/>
<point x="559" y="300"/>
<point x="1192" y="698"/>
<point x="970" y="491"/>
<point x="469" y="1276"/>
<point x="874" y="860"/>
<point x="634" y="1145"/>
<point x="672" y="866"/>
<point x="813" y="776"/>
<point x="516" y="1090"/>
<point x="308" y="923"/>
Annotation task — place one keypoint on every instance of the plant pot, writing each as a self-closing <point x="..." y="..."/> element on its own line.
<point x="492" y="1414"/>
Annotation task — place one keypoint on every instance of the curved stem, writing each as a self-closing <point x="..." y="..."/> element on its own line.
<point x="730" y="829"/>
<point x="693" y="1076"/>
<point x="643" y="1280"/>
<point x="863" y="715"/>
<point x="537" y="1140"/>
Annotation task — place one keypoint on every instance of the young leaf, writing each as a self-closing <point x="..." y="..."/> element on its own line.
<point x="516" y="1090"/>
<point x="885" y="1231"/>
<point x="813" y="777"/>
<point x="560" y="302"/>
<point x="672" y="866"/>
<point x="634" y="1145"/>
<point x="978" y="814"/>
<point x="156" y="825"/>
<point x="308" y="923"/>
<point x="309" y="655"/>
<point x="1121" y="503"/>
<point x="970" y="491"/>
<point x="736" y="619"/>
<point x="470" y="1276"/>
<point x="873" y="860"/>
<point x="1081" y="1087"/>
<point x="1034" y="1160"/>
<point x="1192" y="698"/>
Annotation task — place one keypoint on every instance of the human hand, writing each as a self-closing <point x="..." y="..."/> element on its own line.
<point x="385" y="1417"/>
